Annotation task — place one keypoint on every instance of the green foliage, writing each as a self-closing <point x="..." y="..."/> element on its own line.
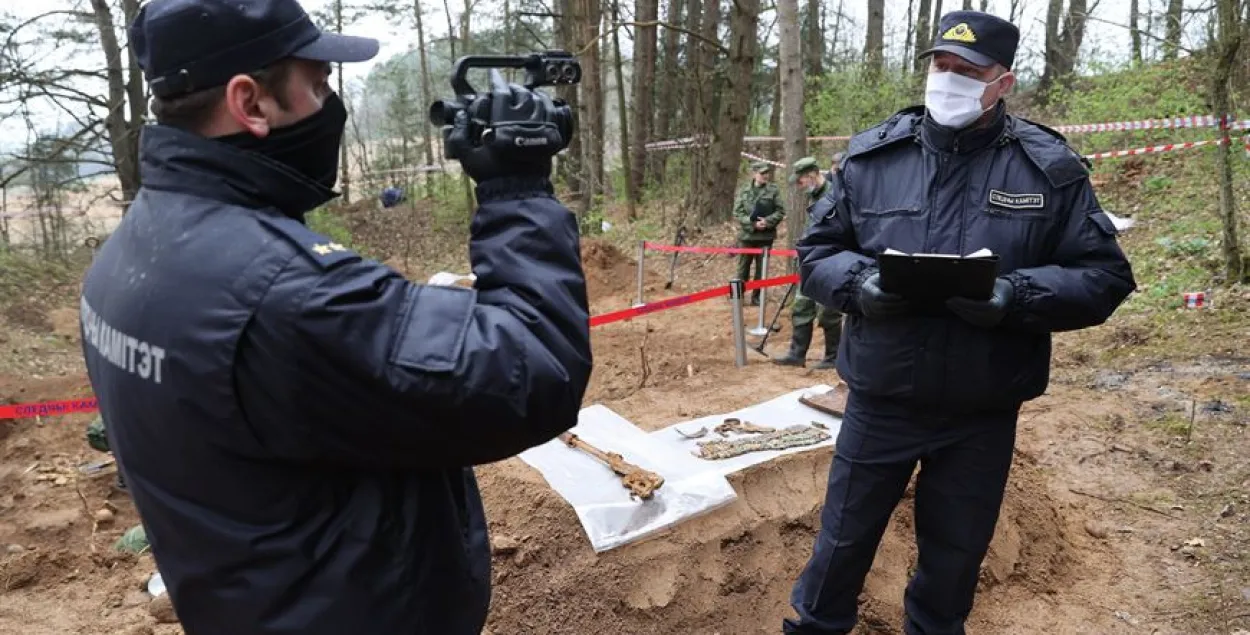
<point x="845" y="102"/>
<point x="325" y="221"/>
<point x="1157" y="90"/>
<point x="22" y="274"/>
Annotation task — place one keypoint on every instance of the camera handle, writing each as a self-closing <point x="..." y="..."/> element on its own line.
<point x="541" y="69"/>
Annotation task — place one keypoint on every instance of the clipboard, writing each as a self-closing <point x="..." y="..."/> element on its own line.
<point x="928" y="280"/>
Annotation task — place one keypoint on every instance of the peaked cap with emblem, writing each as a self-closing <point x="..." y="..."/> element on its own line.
<point x="980" y="38"/>
<point x="760" y="167"/>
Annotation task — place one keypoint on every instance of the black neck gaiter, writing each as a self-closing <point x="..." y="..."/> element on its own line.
<point x="309" y="146"/>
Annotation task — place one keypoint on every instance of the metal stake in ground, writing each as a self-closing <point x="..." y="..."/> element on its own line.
<point x="672" y="265"/>
<point x="773" y="325"/>
<point x="642" y="254"/>
<point x="761" y="329"/>
<point x="740" y="336"/>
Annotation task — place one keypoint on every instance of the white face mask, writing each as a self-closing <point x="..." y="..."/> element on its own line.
<point x="955" y="100"/>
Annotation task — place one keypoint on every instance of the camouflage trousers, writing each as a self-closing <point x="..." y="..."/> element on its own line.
<point x="746" y="260"/>
<point x="805" y="311"/>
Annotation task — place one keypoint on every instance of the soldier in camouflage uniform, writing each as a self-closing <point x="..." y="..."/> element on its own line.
<point x="97" y="438"/>
<point x="759" y="209"/>
<point x="808" y="175"/>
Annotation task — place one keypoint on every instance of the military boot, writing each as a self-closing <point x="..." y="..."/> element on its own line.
<point x="797" y="355"/>
<point x="831" y="354"/>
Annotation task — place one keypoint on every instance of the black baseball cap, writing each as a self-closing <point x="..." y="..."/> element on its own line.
<point x="980" y="38"/>
<point x="185" y="46"/>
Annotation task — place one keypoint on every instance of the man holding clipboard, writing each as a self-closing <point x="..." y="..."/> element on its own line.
<point x="955" y="239"/>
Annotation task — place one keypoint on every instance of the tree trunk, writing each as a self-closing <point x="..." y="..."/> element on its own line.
<point x="426" y="96"/>
<point x="924" y="33"/>
<point x="1235" y="264"/>
<point x="123" y="135"/>
<point x="644" y="94"/>
<point x="667" y="100"/>
<point x="774" y="119"/>
<point x="911" y="34"/>
<point x="967" y="5"/>
<point x="703" y="59"/>
<point x="874" y="40"/>
<point x="591" y="103"/>
<point x="631" y="187"/>
<point x="1172" y="38"/>
<point x="694" y="19"/>
<point x="464" y="49"/>
<point x="985" y="6"/>
<point x="736" y="106"/>
<point x="565" y="28"/>
<point x="815" y="43"/>
<point x="1073" y="35"/>
<point x="1053" y="52"/>
<point x="1134" y="32"/>
<point x="136" y="95"/>
<point x="794" y="128"/>
<point x="345" y="178"/>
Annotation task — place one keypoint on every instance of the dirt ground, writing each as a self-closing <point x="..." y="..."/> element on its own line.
<point x="1126" y="511"/>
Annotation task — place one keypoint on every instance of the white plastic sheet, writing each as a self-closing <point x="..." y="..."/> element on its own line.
<point x="608" y="515"/>
<point x="781" y="412"/>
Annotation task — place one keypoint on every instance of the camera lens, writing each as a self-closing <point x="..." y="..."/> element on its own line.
<point x="568" y="73"/>
<point x="553" y="71"/>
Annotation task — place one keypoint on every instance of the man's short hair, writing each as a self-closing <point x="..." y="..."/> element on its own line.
<point x="192" y="112"/>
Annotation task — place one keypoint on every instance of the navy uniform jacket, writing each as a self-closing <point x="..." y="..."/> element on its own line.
<point x="297" y="424"/>
<point x="1013" y="187"/>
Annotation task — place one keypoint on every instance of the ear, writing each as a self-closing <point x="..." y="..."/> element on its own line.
<point x="1009" y="82"/>
<point x="248" y="105"/>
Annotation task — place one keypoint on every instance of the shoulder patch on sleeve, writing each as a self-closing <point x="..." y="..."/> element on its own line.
<point x="320" y="249"/>
<point x="899" y="127"/>
<point x="1050" y="152"/>
<point x="434" y="328"/>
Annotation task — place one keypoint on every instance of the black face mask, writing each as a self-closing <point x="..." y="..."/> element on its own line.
<point x="309" y="146"/>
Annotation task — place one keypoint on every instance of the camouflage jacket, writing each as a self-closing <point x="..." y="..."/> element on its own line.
<point x="755" y="202"/>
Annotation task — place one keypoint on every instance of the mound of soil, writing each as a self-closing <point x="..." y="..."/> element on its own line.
<point x="730" y="571"/>
<point x="609" y="272"/>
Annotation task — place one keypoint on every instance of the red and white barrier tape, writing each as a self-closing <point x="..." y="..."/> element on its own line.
<point x="1166" y="123"/>
<point x="672" y="303"/>
<point x="759" y="158"/>
<point x="72" y="406"/>
<point x="1193" y="121"/>
<point x="47" y="408"/>
<point x="1156" y="149"/>
<point x="690" y="249"/>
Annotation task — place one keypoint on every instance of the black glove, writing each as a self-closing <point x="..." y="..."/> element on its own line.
<point x="509" y="133"/>
<point x="762" y="209"/>
<point x="985" y="313"/>
<point x="875" y="303"/>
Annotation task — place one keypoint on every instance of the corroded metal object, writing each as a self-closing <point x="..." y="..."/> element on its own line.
<point x="785" y="438"/>
<point x="640" y="483"/>
<point x="733" y="424"/>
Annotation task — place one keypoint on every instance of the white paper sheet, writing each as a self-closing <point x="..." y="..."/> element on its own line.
<point x="780" y="412"/>
<point x="602" y="504"/>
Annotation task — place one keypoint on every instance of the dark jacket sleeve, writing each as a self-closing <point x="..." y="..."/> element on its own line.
<point x="358" y="366"/>
<point x="831" y="266"/>
<point x="1086" y="280"/>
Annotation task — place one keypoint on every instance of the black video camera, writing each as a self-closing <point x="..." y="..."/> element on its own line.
<point x="550" y="68"/>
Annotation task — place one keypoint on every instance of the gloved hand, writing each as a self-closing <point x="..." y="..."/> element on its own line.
<point x="510" y="132"/>
<point x="985" y="313"/>
<point x="875" y="303"/>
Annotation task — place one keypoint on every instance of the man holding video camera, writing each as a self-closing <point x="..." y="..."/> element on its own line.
<point x="297" y="424"/>
<point x="942" y="386"/>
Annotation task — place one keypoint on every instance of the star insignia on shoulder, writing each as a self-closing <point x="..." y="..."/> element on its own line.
<point x="325" y="249"/>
